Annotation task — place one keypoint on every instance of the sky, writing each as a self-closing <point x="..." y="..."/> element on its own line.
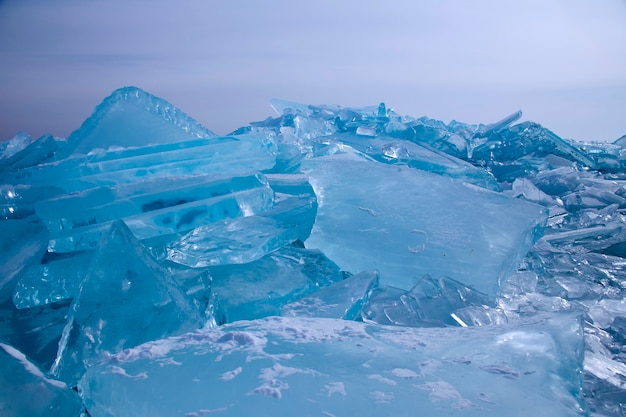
<point x="562" y="62"/>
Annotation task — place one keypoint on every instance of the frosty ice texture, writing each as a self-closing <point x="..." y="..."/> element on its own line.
<point x="302" y="366"/>
<point x="419" y="267"/>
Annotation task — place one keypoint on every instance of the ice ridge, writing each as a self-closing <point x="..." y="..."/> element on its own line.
<point x="325" y="261"/>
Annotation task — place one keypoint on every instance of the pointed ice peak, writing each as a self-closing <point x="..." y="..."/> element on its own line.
<point x="131" y="117"/>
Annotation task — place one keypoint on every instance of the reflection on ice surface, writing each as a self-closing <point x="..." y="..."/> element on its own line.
<point x="328" y="261"/>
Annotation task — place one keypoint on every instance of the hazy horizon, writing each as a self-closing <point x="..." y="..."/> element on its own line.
<point x="562" y="62"/>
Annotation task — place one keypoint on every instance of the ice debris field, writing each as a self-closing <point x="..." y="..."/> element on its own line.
<point x="329" y="261"/>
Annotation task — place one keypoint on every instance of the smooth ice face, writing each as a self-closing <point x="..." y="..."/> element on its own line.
<point x="408" y="223"/>
<point x="341" y="300"/>
<point x="22" y="243"/>
<point x="125" y="299"/>
<point x="130" y="117"/>
<point x="390" y="150"/>
<point x="260" y="288"/>
<point x="25" y="391"/>
<point x="302" y="366"/>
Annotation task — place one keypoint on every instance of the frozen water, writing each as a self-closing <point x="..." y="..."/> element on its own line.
<point x="432" y="303"/>
<point x="131" y="117"/>
<point x="400" y="221"/>
<point x="315" y="366"/>
<point x="22" y="242"/>
<point x="262" y="287"/>
<point x="125" y="299"/>
<point x="342" y="300"/>
<point x="470" y="252"/>
<point x="25" y="391"/>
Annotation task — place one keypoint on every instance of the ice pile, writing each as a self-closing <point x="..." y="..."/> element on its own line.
<point x="329" y="261"/>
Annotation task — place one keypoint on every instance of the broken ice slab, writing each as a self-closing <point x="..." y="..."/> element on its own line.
<point x="231" y="241"/>
<point x="528" y="138"/>
<point x="245" y="239"/>
<point x="10" y="147"/>
<point x="17" y="202"/>
<point x="131" y="117"/>
<point x="218" y="156"/>
<point x="25" y="391"/>
<point x="51" y="282"/>
<point x="524" y="188"/>
<point x="102" y="204"/>
<point x="34" y="331"/>
<point x="607" y="156"/>
<point x="390" y="150"/>
<point x="444" y="301"/>
<point x="22" y="243"/>
<point x="432" y="303"/>
<point x="260" y="288"/>
<point x="37" y="152"/>
<point x="486" y="131"/>
<point x="295" y="203"/>
<point x="316" y="366"/>
<point x="408" y="223"/>
<point x="148" y="212"/>
<point x="310" y="121"/>
<point x="341" y="300"/>
<point x="125" y="299"/>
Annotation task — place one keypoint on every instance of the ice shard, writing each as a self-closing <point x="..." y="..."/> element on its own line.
<point x="12" y="146"/>
<point x="25" y="391"/>
<point x="231" y="241"/>
<point x="313" y="366"/>
<point x="408" y="223"/>
<point x="22" y="243"/>
<point x="341" y="300"/>
<point x="260" y="288"/>
<point x="125" y="299"/>
<point x="151" y="208"/>
<point x="432" y="303"/>
<point x="53" y="281"/>
<point x="39" y="151"/>
<point x="217" y="156"/>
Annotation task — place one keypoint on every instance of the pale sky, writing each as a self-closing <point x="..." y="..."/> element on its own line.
<point x="562" y="62"/>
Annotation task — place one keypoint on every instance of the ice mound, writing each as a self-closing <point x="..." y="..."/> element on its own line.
<point x="326" y="261"/>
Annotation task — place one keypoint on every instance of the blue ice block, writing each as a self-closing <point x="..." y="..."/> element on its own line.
<point x="53" y="281"/>
<point x="341" y="300"/>
<point x="432" y="303"/>
<point x="152" y="209"/>
<point x="125" y="299"/>
<point x="408" y="223"/>
<point x="231" y="241"/>
<point x="131" y="117"/>
<point x="25" y="391"/>
<point x="218" y="157"/>
<point x="22" y="243"/>
<point x="329" y="367"/>
<point x="421" y="156"/>
<point x="260" y="288"/>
